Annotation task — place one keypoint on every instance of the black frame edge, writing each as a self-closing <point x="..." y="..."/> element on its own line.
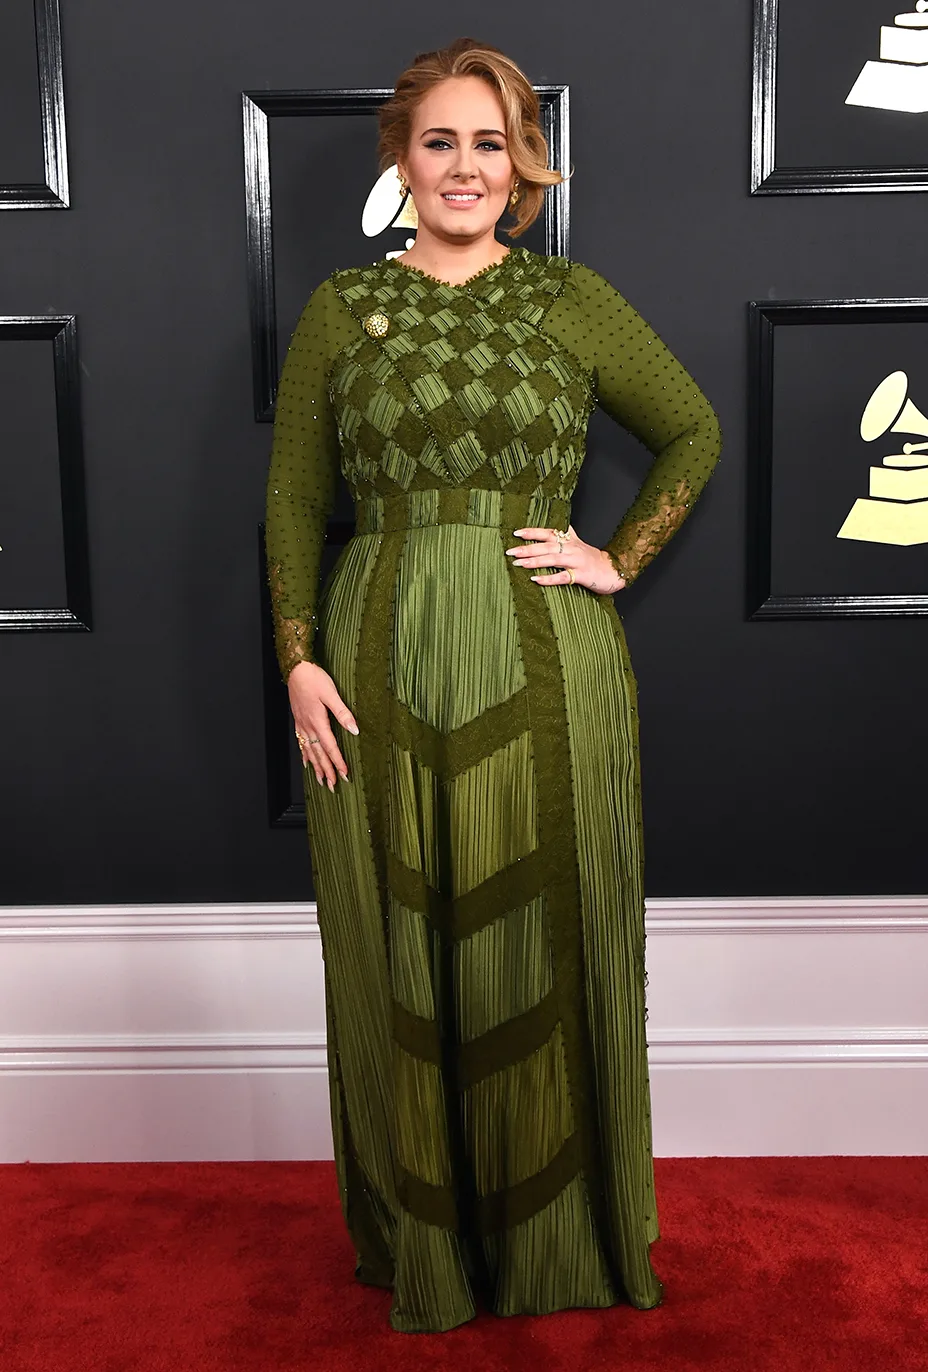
<point x="763" y="317"/>
<point x="55" y="193"/>
<point x="61" y="331"/>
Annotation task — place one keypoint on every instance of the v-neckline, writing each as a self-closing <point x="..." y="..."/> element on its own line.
<point x="452" y="285"/>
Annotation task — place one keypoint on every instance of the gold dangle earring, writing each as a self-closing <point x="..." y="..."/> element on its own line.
<point x="514" y="197"/>
<point x="404" y="189"/>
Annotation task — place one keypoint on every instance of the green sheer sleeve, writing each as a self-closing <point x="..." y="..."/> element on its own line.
<point x="301" y="483"/>
<point x="642" y="386"/>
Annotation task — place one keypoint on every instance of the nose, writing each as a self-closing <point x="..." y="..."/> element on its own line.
<point x="465" y="168"/>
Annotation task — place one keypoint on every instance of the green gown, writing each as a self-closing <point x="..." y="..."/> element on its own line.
<point x="479" y="879"/>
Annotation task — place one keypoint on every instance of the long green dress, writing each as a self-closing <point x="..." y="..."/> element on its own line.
<point x="479" y="879"/>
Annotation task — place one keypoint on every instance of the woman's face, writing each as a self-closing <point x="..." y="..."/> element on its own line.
<point x="458" y="147"/>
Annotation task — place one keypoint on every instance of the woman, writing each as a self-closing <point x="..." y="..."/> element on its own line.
<point x="479" y="878"/>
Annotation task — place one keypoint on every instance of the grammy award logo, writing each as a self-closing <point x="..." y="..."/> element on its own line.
<point x="899" y="80"/>
<point x="387" y="207"/>
<point x="896" y="510"/>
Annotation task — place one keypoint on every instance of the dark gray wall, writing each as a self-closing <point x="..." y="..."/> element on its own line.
<point x="132" y="758"/>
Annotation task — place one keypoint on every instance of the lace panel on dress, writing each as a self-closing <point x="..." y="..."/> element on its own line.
<point x="292" y="636"/>
<point x="637" y="542"/>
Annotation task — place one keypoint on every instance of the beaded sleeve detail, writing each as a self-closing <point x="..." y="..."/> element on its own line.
<point x="637" y="541"/>
<point x="640" y="384"/>
<point x="301" y="485"/>
<point x="293" y="635"/>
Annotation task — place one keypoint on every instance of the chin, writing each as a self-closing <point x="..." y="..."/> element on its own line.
<point x="471" y="223"/>
<point x="458" y="230"/>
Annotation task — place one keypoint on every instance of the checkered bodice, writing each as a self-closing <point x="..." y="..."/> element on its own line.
<point x="458" y="386"/>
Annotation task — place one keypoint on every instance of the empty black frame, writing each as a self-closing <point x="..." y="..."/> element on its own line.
<point x="769" y="179"/>
<point x="54" y="194"/>
<point x="260" y="106"/>
<point x="764" y="317"/>
<point x="61" y="330"/>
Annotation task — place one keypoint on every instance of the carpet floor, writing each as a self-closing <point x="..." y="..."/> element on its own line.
<point x="786" y="1264"/>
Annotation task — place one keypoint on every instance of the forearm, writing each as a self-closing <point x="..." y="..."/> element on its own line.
<point x="300" y="486"/>
<point x="666" y="497"/>
<point x="294" y="540"/>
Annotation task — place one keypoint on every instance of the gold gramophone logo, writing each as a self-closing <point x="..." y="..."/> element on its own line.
<point x="899" y="80"/>
<point x="388" y="207"/>
<point x="896" y="510"/>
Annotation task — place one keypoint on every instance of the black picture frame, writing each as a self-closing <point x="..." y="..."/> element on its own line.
<point x="764" y="317"/>
<point x="258" y="108"/>
<point x="61" y="331"/>
<point x="54" y="194"/>
<point x="767" y="177"/>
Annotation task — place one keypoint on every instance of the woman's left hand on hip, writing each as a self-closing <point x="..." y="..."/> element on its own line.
<point x="591" y="566"/>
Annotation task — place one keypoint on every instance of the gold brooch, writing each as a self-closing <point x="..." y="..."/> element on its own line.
<point x="376" y="324"/>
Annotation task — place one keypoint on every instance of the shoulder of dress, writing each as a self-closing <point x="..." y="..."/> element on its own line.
<point x="365" y="272"/>
<point x="581" y="272"/>
<point x="567" y="274"/>
<point x="324" y="320"/>
<point x="544" y="274"/>
<point x="552" y="261"/>
<point x="589" y="281"/>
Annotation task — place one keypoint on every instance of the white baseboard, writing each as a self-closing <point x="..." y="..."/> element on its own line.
<point x="155" y="1032"/>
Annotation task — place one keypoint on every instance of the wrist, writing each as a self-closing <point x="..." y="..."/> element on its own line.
<point x="298" y="669"/>
<point x="619" y="579"/>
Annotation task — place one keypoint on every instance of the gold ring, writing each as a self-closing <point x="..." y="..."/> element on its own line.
<point x="571" y="571"/>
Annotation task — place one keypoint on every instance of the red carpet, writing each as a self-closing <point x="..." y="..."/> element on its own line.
<point x="787" y="1264"/>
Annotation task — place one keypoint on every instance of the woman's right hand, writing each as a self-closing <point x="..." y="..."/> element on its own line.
<point x="312" y="695"/>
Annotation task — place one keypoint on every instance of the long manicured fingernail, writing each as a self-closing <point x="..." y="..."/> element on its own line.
<point x="318" y="778"/>
<point x="353" y="728"/>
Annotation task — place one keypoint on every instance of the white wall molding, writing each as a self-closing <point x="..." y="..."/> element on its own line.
<point x="164" y="1053"/>
<point x="307" y="1052"/>
<point x="793" y="914"/>
<point x="241" y="921"/>
<point x="263" y="920"/>
<point x="678" y="1048"/>
<point x="145" y="1032"/>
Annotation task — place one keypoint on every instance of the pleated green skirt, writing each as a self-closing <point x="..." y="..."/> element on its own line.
<point x="480" y="903"/>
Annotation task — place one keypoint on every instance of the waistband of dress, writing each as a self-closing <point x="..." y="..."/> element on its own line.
<point x="457" y="505"/>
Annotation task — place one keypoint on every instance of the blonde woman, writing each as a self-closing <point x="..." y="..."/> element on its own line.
<point x="466" y="710"/>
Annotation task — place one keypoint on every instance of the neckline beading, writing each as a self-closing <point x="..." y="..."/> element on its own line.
<point x="452" y="285"/>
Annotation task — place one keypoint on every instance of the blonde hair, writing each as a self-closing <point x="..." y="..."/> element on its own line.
<point x="528" y="148"/>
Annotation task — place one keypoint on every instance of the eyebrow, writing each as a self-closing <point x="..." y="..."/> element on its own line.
<point x="477" y="132"/>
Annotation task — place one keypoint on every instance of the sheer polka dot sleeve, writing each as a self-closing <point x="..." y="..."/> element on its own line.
<point x="301" y="484"/>
<point x="642" y="386"/>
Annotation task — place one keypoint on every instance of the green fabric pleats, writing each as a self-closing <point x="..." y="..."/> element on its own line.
<point x="479" y="888"/>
